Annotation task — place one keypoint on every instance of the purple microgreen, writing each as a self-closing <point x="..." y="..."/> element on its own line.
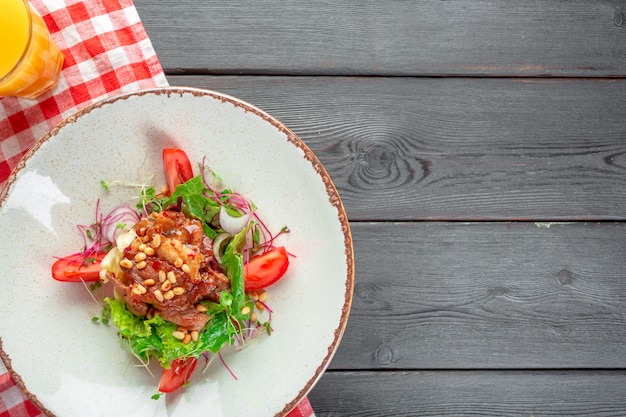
<point x="226" y="366"/>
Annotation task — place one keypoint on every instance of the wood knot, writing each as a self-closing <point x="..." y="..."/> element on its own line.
<point x="378" y="161"/>
<point x="380" y="158"/>
<point x="364" y="291"/>
<point x="386" y="162"/>
<point x="565" y="277"/>
<point x="498" y="291"/>
<point x="385" y="355"/>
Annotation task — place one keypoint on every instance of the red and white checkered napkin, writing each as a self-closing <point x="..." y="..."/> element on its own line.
<point x="107" y="52"/>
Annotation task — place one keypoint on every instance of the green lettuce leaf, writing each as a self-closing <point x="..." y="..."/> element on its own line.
<point x="137" y="332"/>
<point x="153" y="337"/>
<point x="233" y="261"/>
<point x="195" y="204"/>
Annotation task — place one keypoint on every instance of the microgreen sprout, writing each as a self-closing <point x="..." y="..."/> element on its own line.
<point x="226" y="366"/>
<point x="105" y="315"/>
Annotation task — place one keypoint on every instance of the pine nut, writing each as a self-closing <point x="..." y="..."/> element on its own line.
<point x="171" y="277"/>
<point x="253" y="317"/>
<point x="201" y="308"/>
<point x="166" y="286"/>
<point x="168" y="295"/>
<point x="178" y="262"/>
<point x="139" y="289"/>
<point x="158" y="295"/>
<point x="141" y="265"/>
<point x="148" y="251"/>
<point x="260" y="306"/>
<point x="178" y="335"/>
<point x="245" y="310"/>
<point x="126" y="263"/>
<point x="187" y="338"/>
<point x="186" y="269"/>
<point x="142" y="247"/>
<point x="149" y="282"/>
<point x="263" y="296"/>
<point x="162" y="275"/>
<point x="179" y="290"/>
<point x="140" y="256"/>
<point x="194" y="335"/>
<point x="156" y="241"/>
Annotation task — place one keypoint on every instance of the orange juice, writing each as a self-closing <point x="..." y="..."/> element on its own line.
<point x="30" y="62"/>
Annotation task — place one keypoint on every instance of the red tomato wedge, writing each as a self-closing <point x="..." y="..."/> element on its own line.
<point x="176" y="167"/>
<point x="74" y="268"/>
<point x="264" y="270"/>
<point x="177" y="375"/>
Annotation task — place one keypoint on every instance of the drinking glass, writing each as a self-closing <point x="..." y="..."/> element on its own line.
<point x="30" y="62"/>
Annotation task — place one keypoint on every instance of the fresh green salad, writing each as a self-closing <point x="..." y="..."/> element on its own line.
<point x="189" y="267"/>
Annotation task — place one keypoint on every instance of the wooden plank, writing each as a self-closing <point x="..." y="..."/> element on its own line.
<point x="486" y="296"/>
<point x="456" y="148"/>
<point x="473" y="393"/>
<point x="356" y="37"/>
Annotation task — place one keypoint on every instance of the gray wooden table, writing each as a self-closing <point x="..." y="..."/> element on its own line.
<point x="479" y="148"/>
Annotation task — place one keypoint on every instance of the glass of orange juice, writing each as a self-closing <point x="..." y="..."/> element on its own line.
<point x="30" y="62"/>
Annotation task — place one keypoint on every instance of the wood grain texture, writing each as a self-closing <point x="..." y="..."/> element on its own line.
<point x="487" y="296"/>
<point x="486" y="191"/>
<point x="472" y="393"/>
<point x="456" y="148"/>
<point x="399" y="37"/>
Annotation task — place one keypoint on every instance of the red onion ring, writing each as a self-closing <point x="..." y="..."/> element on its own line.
<point x="119" y="215"/>
<point x="232" y="224"/>
<point x="217" y="245"/>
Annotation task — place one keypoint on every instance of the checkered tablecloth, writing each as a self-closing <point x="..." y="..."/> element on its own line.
<point x="107" y="52"/>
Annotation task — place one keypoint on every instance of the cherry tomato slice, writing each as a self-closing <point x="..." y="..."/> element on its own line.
<point x="73" y="268"/>
<point x="177" y="375"/>
<point x="264" y="270"/>
<point x="176" y="167"/>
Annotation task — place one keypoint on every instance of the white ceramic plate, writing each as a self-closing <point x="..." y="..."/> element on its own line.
<point x="70" y="366"/>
